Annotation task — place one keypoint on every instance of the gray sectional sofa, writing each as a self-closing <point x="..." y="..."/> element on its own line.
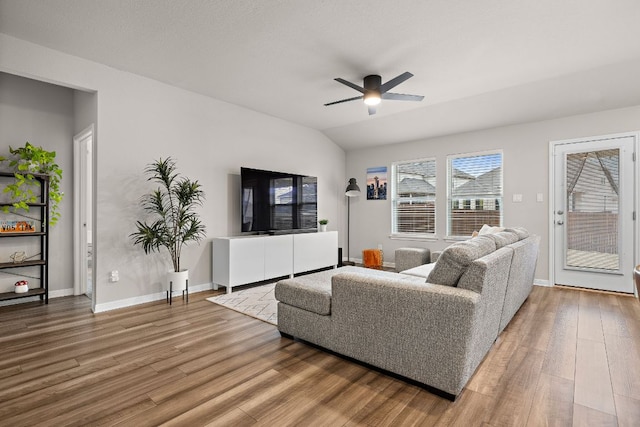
<point x="432" y="324"/>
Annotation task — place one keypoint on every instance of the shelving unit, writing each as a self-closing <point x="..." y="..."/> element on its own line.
<point x="41" y="211"/>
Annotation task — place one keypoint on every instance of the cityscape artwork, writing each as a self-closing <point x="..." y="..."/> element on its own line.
<point x="377" y="183"/>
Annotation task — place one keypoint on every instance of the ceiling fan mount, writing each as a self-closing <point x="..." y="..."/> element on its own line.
<point x="373" y="91"/>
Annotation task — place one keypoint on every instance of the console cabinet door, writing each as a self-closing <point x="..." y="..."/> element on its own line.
<point x="278" y="254"/>
<point x="238" y="261"/>
<point x="314" y="250"/>
<point x="247" y="261"/>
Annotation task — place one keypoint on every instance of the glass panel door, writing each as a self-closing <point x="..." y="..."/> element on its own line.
<point x="593" y="203"/>
<point x="592" y="210"/>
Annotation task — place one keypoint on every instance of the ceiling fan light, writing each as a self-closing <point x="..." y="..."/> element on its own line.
<point x="372" y="99"/>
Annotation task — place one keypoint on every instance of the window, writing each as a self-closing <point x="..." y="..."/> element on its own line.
<point x="413" y="197"/>
<point x="474" y="192"/>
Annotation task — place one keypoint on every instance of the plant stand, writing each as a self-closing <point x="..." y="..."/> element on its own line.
<point x="170" y="292"/>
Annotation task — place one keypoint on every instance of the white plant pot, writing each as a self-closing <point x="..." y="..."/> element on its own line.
<point x="323" y="227"/>
<point x="177" y="280"/>
<point x="21" y="289"/>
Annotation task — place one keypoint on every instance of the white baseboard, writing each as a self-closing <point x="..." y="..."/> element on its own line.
<point x="128" y="302"/>
<point x="541" y="282"/>
<point x="61" y="293"/>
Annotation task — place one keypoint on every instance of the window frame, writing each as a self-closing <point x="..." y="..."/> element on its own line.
<point x="448" y="207"/>
<point x="395" y="234"/>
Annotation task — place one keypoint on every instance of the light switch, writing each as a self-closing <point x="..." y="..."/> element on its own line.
<point x="540" y="197"/>
<point x="517" y="198"/>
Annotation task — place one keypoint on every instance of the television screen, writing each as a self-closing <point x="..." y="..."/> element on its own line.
<point x="277" y="201"/>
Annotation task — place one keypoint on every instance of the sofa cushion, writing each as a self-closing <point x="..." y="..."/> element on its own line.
<point x="520" y="231"/>
<point x="310" y="292"/>
<point x="456" y="258"/>
<point x="503" y="238"/>
<point x="419" y="271"/>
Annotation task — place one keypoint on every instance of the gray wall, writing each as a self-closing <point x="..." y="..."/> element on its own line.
<point x="42" y="114"/>
<point x="526" y="172"/>
<point x="140" y="120"/>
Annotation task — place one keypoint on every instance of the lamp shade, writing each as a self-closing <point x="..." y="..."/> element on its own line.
<point x="352" y="189"/>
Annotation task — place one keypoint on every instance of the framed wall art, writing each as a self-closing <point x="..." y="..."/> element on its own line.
<point x="377" y="183"/>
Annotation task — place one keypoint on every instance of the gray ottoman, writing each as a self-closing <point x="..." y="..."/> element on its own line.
<point x="406" y="258"/>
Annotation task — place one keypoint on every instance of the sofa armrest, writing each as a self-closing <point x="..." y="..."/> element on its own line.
<point x="435" y="255"/>
<point x="419" y="330"/>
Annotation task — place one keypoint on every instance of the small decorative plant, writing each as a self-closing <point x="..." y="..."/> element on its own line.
<point x="323" y="222"/>
<point x="172" y="205"/>
<point x="25" y="162"/>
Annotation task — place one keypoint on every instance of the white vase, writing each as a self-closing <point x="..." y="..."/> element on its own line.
<point x="177" y="280"/>
<point x="323" y="227"/>
<point x="20" y="289"/>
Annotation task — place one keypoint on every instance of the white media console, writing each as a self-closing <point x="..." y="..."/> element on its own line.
<point x="248" y="259"/>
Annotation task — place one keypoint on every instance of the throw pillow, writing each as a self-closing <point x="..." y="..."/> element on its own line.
<point x="487" y="229"/>
<point x="503" y="238"/>
<point x="456" y="258"/>
<point x="520" y="231"/>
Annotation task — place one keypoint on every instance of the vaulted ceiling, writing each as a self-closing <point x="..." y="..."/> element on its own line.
<point x="479" y="64"/>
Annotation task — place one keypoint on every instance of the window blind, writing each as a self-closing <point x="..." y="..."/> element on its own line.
<point x="414" y="197"/>
<point x="474" y="192"/>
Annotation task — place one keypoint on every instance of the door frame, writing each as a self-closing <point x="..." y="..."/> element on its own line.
<point x="552" y="195"/>
<point x="79" y="249"/>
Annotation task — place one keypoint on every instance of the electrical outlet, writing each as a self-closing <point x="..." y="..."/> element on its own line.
<point x="517" y="198"/>
<point x="540" y="197"/>
<point x="380" y="246"/>
<point x="114" y="276"/>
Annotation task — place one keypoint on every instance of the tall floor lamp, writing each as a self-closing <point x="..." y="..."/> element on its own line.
<point x="352" y="191"/>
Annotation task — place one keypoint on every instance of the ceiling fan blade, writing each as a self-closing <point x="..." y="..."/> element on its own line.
<point x="401" y="97"/>
<point x="372" y="110"/>
<point x="344" y="100"/>
<point x="351" y="85"/>
<point x="395" y="81"/>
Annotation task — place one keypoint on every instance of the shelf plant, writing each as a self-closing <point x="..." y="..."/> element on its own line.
<point x="25" y="162"/>
<point x="173" y="221"/>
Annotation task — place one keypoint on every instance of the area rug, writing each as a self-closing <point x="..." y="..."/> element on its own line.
<point x="259" y="302"/>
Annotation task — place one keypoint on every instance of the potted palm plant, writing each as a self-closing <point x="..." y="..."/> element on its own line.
<point x="173" y="221"/>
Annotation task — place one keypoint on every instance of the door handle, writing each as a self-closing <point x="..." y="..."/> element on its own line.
<point x="560" y="222"/>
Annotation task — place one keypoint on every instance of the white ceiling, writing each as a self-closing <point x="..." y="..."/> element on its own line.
<point x="479" y="63"/>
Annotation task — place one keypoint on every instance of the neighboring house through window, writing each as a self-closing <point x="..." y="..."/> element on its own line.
<point x="474" y="192"/>
<point x="414" y="197"/>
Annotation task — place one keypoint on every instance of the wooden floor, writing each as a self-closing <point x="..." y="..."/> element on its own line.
<point x="569" y="357"/>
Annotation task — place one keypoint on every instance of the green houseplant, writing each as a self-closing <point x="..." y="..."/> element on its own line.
<point x="24" y="162"/>
<point x="172" y="207"/>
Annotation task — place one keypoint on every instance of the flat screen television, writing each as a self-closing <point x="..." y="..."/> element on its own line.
<point x="278" y="202"/>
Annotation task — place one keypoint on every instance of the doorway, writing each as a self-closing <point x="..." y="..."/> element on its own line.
<point x="83" y="207"/>
<point x="593" y="212"/>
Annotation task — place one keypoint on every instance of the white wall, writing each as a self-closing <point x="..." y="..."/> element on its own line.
<point x="526" y="172"/>
<point x="140" y="120"/>
<point x="42" y="114"/>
